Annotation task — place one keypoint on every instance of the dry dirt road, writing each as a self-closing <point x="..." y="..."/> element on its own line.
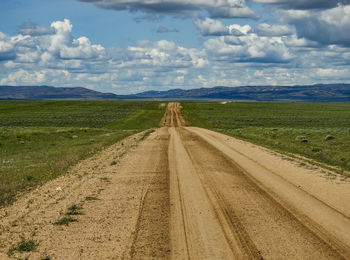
<point x="185" y="193"/>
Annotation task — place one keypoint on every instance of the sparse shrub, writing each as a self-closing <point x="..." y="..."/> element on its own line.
<point x="23" y="246"/>
<point x="65" y="221"/>
<point x="91" y="198"/>
<point x="114" y="162"/>
<point x="106" y="179"/>
<point x="74" y="210"/>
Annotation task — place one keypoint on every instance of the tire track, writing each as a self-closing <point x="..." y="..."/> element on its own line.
<point x="195" y="230"/>
<point x="269" y="226"/>
<point x="328" y="223"/>
<point x="151" y="236"/>
<point x="247" y="207"/>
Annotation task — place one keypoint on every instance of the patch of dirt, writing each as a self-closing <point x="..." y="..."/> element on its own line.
<point x="119" y="200"/>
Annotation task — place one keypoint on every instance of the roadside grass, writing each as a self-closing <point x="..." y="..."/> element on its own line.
<point x="65" y="221"/>
<point x="91" y="198"/>
<point x="319" y="131"/>
<point x="23" y="246"/>
<point x="74" y="210"/>
<point x="40" y="140"/>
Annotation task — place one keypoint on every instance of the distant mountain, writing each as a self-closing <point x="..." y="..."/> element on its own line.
<point x="318" y="92"/>
<point x="47" y="92"/>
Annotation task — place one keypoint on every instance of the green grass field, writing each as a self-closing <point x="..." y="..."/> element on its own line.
<point x="40" y="140"/>
<point x="319" y="131"/>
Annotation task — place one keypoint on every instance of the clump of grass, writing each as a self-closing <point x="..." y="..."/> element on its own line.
<point x="74" y="210"/>
<point x="114" y="163"/>
<point x="106" y="179"/>
<point x="23" y="246"/>
<point x="89" y="198"/>
<point x="46" y="258"/>
<point x="146" y="134"/>
<point x="65" y="221"/>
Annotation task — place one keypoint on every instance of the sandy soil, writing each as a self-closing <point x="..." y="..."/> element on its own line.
<point x="185" y="193"/>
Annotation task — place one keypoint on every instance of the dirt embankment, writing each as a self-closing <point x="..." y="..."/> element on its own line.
<point x="186" y="193"/>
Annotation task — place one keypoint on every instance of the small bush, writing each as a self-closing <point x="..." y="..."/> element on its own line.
<point x="23" y="246"/>
<point x="74" y="210"/>
<point x="65" y="221"/>
<point x="114" y="162"/>
<point x="91" y="198"/>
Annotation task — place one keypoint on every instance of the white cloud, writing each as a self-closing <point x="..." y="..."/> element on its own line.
<point x="57" y="49"/>
<point x="327" y="27"/>
<point x="331" y="72"/>
<point x="237" y="29"/>
<point x="212" y="27"/>
<point x="164" y="55"/>
<point x="265" y="29"/>
<point x="24" y="77"/>
<point x="248" y="48"/>
<point x="32" y="29"/>
<point x="234" y="55"/>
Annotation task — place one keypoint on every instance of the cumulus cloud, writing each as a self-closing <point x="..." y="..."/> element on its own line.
<point x="50" y="47"/>
<point x="25" y="77"/>
<point x="265" y="29"/>
<point x="7" y="51"/>
<point x="327" y="27"/>
<point x="305" y="4"/>
<point x="212" y="27"/>
<point x="163" y="55"/>
<point x="32" y="29"/>
<point x="215" y="8"/>
<point x="230" y="57"/>
<point x="332" y="72"/>
<point x="248" y="48"/>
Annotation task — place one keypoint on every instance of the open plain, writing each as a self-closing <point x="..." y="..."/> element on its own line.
<point x="183" y="193"/>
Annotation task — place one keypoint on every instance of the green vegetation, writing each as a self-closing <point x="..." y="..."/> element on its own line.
<point x="23" y="246"/>
<point x="40" y="140"/>
<point x="74" y="210"/>
<point x="65" y="221"/>
<point x="320" y="131"/>
<point x="89" y="198"/>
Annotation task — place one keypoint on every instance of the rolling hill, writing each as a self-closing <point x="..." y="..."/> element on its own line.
<point x="313" y="93"/>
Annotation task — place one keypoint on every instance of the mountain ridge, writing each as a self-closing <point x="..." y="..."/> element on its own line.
<point x="318" y="92"/>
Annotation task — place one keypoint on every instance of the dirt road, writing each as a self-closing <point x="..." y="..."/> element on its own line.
<point x="186" y="193"/>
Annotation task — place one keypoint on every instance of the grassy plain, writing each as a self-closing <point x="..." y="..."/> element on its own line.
<point x="319" y="131"/>
<point x="40" y="140"/>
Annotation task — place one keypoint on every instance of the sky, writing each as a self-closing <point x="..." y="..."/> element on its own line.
<point x="130" y="46"/>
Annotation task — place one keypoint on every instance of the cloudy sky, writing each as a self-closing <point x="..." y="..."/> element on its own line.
<point x="128" y="46"/>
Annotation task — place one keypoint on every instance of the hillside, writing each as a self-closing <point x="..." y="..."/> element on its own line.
<point x="319" y="92"/>
<point x="313" y="93"/>
<point x="47" y="92"/>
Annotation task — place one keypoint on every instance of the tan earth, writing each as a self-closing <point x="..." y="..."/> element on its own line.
<point x="185" y="193"/>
